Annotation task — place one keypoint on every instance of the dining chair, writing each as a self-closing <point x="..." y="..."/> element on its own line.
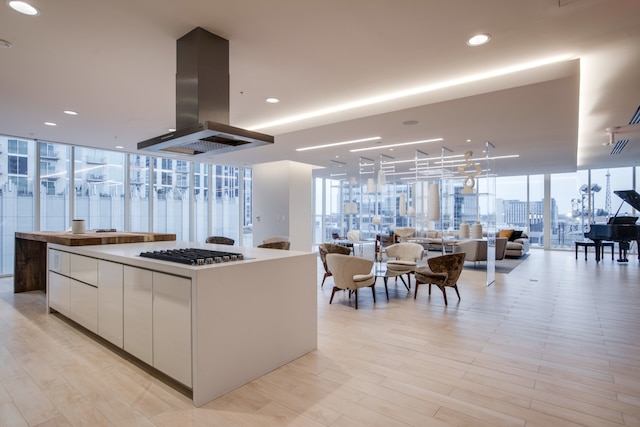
<point x="276" y="245"/>
<point x="220" y="240"/>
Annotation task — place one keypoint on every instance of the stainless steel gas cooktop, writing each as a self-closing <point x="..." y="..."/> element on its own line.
<point x="193" y="256"/>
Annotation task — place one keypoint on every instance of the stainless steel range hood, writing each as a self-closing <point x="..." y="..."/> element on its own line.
<point x="202" y="102"/>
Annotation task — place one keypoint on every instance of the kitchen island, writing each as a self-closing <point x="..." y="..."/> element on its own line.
<point x="29" y="268"/>
<point x="211" y="328"/>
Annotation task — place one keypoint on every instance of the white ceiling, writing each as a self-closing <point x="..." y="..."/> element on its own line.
<point x="114" y="63"/>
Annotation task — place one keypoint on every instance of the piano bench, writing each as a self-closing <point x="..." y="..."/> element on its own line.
<point x="587" y="245"/>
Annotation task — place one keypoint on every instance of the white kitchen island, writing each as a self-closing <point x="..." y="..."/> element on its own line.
<point x="211" y="328"/>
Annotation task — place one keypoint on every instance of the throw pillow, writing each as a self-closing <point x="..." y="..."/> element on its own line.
<point x="515" y="235"/>
<point x="506" y="233"/>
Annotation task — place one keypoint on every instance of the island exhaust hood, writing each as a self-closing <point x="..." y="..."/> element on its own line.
<point x="202" y="102"/>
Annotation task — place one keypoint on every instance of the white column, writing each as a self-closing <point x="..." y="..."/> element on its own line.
<point x="282" y="203"/>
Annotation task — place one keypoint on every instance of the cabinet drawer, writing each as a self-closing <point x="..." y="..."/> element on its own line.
<point x="59" y="261"/>
<point x="84" y="269"/>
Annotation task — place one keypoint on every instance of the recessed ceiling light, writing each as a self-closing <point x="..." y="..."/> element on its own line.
<point x="71" y="112"/>
<point x="5" y="44"/>
<point x="479" y="39"/>
<point x="171" y="129"/>
<point x="272" y="100"/>
<point x="119" y="147"/>
<point x="50" y="124"/>
<point x="23" y="7"/>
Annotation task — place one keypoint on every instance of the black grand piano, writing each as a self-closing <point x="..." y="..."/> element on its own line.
<point x="621" y="229"/>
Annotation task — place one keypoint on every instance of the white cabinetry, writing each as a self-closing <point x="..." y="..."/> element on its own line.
<point x="138" y="313"/>
<point x="110" y="316"/>
<point x="172" y="326"/>
<point x="187" y="321"/>
<point x="73" y="287"/>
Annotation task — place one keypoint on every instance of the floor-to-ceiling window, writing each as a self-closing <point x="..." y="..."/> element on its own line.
<point x="17" y="200"/>
<point x="139" y="201"/>
<point x="226" y="202"/>
<point x="171" y="198"/>
<point x="569" y="208"/>
<point x="319" y="209"/>
<point x="606" y="203"/>
<point x="157" y="198"/>
<point x="54" y="186"/>
<point x="511" y="203"/>
<point x="98" y="184"/>
<point x="575" y="200"/>
<point x="201" y="201"/>
<point x="247" y="211"/>
<point x="535" y="220"/>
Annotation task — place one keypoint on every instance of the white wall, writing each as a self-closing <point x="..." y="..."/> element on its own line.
<point x="282" y="202"/>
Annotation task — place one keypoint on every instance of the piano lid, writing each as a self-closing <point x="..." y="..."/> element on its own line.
<point x="630" y="196"/>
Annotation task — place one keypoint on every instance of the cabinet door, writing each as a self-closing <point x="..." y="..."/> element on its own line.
<point x="172" y="326"/>
<point x="138" y="313"/>
<point x="83" y="304"/>
<point x="110" y="302"/>
<point x="59" y="293"/>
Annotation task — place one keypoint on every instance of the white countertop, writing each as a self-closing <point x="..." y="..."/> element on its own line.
<point x="129" y="253"/>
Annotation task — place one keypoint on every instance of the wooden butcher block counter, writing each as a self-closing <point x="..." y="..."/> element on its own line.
<point x="30" y="260"/>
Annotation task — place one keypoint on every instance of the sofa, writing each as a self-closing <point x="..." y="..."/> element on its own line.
<point x="517" y="241"/>
<point x="517" y="244"/>
<point x="476" y="250"/>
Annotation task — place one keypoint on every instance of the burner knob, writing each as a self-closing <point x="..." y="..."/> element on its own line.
<point x="208" y="261"/>
<point x="225" y="258"/>
<point x="233" y="257"/>
<point x="200" y="261"/>
<point x="218" y="259"/>
<point x="240" y="257"/>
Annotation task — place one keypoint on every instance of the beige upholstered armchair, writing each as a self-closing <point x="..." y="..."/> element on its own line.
<point x="442" y="271"/>
<point x="404" y="257"/>
<point x="330" y="248"/>
<point x="351" y="273"/>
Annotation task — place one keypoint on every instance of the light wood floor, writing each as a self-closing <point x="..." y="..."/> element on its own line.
<point x="553" y="343"/>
